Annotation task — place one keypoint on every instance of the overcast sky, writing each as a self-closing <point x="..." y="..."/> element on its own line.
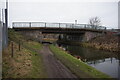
<point x="64" y="11"/>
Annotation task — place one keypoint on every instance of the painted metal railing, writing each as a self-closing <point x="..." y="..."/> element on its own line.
<point x="57" y="25"/>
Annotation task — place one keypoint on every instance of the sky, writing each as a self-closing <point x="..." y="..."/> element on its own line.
<point x="64" y="11"/>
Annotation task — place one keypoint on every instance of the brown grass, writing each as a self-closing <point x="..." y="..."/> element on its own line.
<point x="18" y="66"/>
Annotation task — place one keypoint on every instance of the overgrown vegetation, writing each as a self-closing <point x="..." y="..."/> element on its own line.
<point x="78" y="67"/>
<point x="107" y="42"/>
<point x="26" y="63"/>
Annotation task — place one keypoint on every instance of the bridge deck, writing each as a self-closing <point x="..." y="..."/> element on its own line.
<point x="57" y="30"/>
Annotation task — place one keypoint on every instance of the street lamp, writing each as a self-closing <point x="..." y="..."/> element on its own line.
<point x="75" y="23"/>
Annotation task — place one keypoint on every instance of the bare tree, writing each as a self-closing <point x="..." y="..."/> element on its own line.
<point x="95" y="21"/>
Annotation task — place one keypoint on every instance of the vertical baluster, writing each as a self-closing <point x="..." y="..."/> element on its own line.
<point x="29" y="24"/>
<point x="13" y="24"/>
<point x="45" y="24"/>
<point x="59" y="25"/>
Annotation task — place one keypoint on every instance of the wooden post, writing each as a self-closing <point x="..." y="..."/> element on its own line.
<point x="12" y="52"/>
<point x="19" y="45"/>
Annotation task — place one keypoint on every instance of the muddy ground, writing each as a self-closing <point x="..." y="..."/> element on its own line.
<point x="54" y="67"/>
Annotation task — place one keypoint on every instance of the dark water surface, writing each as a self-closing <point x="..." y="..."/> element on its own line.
<point x="104" y="61"/>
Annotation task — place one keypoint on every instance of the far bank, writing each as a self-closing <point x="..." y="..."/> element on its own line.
<point x="105" y="42"/>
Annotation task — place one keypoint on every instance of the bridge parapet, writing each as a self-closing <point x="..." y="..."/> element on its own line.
<point x="57" y="25"/>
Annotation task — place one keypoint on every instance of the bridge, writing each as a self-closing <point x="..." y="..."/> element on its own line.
<point x="67" y="31"/>
<point x="61" y="28"/>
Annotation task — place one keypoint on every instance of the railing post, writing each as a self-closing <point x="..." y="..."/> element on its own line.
<point x="66" y="25"/>
<point x="13" y="25"/>
<point x="72" y="25"/>
<point x="30" y="24"/>
<point x="105" y="28"/>
<point x="59" y="25"/>
<point x="45" y="25"/>
<point x="85" y="26"/>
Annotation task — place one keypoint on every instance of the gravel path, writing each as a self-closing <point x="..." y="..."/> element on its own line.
<point x="53" y="66"/>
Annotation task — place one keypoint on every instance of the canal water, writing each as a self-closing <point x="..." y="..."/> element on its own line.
<point x="104" y="61"/>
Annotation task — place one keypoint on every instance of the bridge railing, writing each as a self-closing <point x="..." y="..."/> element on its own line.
<point x="57" y="25"/>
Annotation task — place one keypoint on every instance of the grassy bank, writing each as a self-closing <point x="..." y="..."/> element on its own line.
<point x="78" y="67"/>
<point x="17" y="67"/>
<point x="38" y="69"/>
<point x="26" y="63"/>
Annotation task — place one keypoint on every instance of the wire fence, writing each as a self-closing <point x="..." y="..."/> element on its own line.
<point x="57" y="25"/>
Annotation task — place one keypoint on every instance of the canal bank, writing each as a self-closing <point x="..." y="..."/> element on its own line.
<point x="104" y="61"/>
<point x="78" y="67"/>
<point x="104" y="42"/>
<point x="22" y="59"/>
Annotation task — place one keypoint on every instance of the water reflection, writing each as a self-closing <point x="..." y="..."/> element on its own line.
<point x="104" y="61"/>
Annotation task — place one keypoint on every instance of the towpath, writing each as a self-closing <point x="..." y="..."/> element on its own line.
<point x="54" y="67"/>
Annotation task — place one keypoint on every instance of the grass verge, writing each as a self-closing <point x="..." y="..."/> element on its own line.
<point x="38" y="69"/>
<point x="76" y="66"/>
<point x="26" y="63"/>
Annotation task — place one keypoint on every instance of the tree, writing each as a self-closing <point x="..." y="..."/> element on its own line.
<point x="95" y="21"/>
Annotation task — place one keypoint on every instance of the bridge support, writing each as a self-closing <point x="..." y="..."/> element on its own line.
<point x="87" y="36"/>
<point x="66" y="35"/>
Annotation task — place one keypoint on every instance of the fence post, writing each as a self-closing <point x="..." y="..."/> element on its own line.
<point x="19" y="45"/>
<point x="12" y="51"/>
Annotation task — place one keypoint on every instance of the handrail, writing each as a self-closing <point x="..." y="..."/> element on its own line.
<point x="59" y="25"/>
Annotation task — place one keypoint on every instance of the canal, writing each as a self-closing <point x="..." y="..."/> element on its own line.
<point x="104" y="61"/>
